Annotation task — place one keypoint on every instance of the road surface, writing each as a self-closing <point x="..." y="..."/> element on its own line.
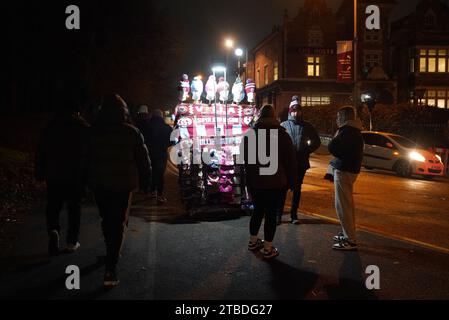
<point x="410" y="209"/>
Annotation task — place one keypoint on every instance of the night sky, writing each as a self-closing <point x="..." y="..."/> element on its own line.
<point x="137" y="48"/>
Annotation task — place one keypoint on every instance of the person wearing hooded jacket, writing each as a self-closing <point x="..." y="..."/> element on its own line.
<point x="118" y="159"/>
<point x="61" y="157"/>
<point x="267" y="190"/>
<point x="158" y="142"/>
<point x="347" y="148"/>
<point x="305" y="141"/>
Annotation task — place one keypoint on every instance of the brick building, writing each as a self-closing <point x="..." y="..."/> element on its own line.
<point x="299" y="57"/>
<point x="420" y="45"/>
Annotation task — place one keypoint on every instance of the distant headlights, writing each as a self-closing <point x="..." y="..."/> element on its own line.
<point x="439" y="158"/>
<point x="417" y="156"/>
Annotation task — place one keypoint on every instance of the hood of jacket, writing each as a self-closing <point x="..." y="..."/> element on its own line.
<point x="357" y="123"/>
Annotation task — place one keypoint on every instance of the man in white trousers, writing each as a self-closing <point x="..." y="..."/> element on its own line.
<point x="347" y="149"/>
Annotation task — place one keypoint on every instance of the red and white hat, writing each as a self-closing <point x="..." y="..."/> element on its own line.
<point x="294" y="105"/>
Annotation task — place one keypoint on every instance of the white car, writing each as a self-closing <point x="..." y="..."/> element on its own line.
<point x="392" y="152"/>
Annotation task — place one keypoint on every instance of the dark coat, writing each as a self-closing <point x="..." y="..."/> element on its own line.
<point x="118" y="157"/>
<point x="347" y="148"/>
<point x="286" y="176"/>
<point x="61" y="154"/>
<point x="158" y="139"/>
<point x="143" y="124"/>
<point x="305" y="140"/>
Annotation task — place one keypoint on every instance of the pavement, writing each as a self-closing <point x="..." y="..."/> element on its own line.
<point x="171" y="256"/>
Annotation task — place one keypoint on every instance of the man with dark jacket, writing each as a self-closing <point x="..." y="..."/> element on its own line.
<point x="267" y="182"/>
<point x="305" y="141"/>
<point x="118" y="159"/>
<point x="61" y="157"/>
<point x="158" y="142"/>
<point x="347" y="148"/>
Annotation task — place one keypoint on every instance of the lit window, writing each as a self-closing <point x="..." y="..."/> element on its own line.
<point x="313" y="66"/>
<point x="265" y="74"/>
<point x="315" y="100"/>
<point x="258" y="79"/>
<point x="436" y="98"/>
<point x="276" y="71"/>
<point x="423" y="65"/>
<point x="441" y="65"/>
<point x="433" y="60"/>
<point x="432" y="65"/>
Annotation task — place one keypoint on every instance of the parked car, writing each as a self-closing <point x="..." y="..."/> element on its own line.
<point x="392" y="152"/>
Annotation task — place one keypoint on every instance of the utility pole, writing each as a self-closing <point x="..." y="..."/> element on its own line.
<point x="355" y="98"/>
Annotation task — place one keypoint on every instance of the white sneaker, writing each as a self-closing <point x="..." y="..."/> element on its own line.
<point x="71" y="248"/>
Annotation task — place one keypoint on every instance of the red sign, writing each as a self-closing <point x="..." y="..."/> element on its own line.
<point x="345" y="54"/>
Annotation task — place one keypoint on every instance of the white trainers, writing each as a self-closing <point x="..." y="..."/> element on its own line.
<point x="71" y="248"/>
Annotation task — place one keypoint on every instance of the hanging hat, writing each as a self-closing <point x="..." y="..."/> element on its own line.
<point x="143" y="109"/>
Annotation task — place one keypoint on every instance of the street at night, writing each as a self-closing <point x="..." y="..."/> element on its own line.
<point x="224" y="159"/>
<point x="169" y="255"/>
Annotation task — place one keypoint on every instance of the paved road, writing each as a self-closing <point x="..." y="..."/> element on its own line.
<point x="170" y="256"/>
<point x="415" y="210"/>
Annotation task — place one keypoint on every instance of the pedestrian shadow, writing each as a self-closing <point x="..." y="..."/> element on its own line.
<point x="351" y="284"/>
<point x="49" y="289"/>
<point x="211" y="216"/>
<point x="172" y="215"/>
<point x="290" y="283"/>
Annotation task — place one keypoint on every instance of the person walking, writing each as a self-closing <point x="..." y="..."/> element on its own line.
<point x="267" y="190"/>
<point x="60" y="161"/>
<point x="347" y="148"/>
<point x="305" y="141"/>
<point x="158" y="142"/>
<point x="118" y="159"/>
<point x="143" y="124"/>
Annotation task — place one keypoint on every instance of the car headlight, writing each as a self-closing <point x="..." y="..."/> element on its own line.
<point x="439" y="158"/>
<point x="417" y="156"/>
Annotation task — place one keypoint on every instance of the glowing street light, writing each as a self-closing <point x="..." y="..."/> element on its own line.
<point x="229" y="43"/>
<point x="238" y="52"/>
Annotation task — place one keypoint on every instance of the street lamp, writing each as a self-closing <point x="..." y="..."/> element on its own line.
<point x="355" y="53"/>
<point x="239" y="53"/>
<point x="229" y="43"/>
<point x="370" y="100"/>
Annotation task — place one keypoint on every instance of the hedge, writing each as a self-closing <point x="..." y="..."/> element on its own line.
<point x="428" y="126"/>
